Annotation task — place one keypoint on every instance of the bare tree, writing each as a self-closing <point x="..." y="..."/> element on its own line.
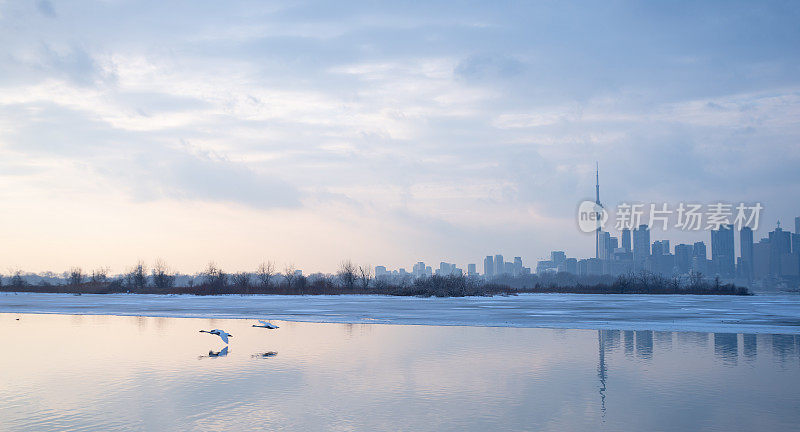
<point x="265" y="272"/>
<point x="215" y="278"/>
<point x="137" y="276"/>
<point x="99" y="275"/>
<point x="75" y="276"/>
<point x="163" y="279"/>
<point x="17" y="280"/>
<point x="347" y="274"/>
<point x="289" y="275"/>
<point x="241" y="281"/>
<point x="364" y="276"/>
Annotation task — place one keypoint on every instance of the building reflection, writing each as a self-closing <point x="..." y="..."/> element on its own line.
<point x="749" y="347"/>
<point x="726" y="347"/>
<point x="628" y="343"/>
<point x="784" y="347"/>
<point x="644" y="344"/>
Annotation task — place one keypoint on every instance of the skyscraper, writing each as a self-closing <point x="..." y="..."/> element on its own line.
<point x="641" y="246"/>
<point x="722" y="251"/>
<point x="797" y="225"/>
<point x="499" y="265"/>
<point x="746" y="252"/>
<point x="472" y="269"/>
<point x="626" y="239"/>
<point x="517" y="266"/>
<point x="683" y="257"/>
<point x="488" y="267"/>
<point x="780" y="244"/>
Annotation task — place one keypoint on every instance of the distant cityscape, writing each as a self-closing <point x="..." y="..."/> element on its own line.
<point x="772" y="261"/>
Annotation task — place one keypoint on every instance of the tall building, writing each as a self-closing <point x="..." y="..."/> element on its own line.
<point x="603" y="238"/>
<point x="683" y="258"/>
<point x="472" y="270"/>
<point x="761" y="259"/>
<point x="699" y="250"/>
<point x="626" y="239"/>
<point x="699" y="257"/>
<point x="723" y="256"/>
<point x="797" y="225"/>
<point x="488" y="267"/>
<point x="499" y="265"/>
<point x="660" y="247"/>
<point x="517" y="266"/>
<point x="557" y="257"/>
<point x="780" y="244"/>
<point x="419" y="270"/>
<point x="641" y="246"/>
<point x="746" y="252"/>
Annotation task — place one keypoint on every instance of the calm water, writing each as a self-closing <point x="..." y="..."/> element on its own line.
<point x="121" y="373"/>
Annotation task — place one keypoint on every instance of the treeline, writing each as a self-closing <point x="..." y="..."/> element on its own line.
<point x="358" y="279"/>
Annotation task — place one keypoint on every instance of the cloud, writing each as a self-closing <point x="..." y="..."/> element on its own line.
<point x="454" y="120"/>
<point x="45" y="7"/>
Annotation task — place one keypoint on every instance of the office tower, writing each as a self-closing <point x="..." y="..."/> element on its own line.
<point x="683" y="258"/>
<point x="761" y="259"/>
<point x="660" y="247"/>
<point x="780" y="244"/>
<point x="626" y="239"/>
<point x="472" y="269"/>
<point x="797" y="225"/>
<point x="557" y="257"/>
<point x="722" y="251"/>
<point x="517" y="266"/>
<point x="699" y="257"/>
<point x="603" y="239"/>
<point x="796" y="250"/>
<point x="499" y="265"/>
<point x="641" y="246"/>
<point x="419" y="270"/>
<point x="611" y="245"/>
<point x="488" y="266"/>
<point x="699" y="250"/>
<point x="380" y="271"/>
<point x="746" y="252"/>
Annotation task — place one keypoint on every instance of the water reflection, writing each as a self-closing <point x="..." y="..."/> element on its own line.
<point x="726" y="347"/>
<point x="385" y="377"/>
<point x="749" y="347"/>
<point x="216" y="354"/>
<point x="644" y="344"/>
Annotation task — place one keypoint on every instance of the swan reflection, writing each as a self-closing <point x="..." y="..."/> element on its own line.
<point x="214" y="354"/>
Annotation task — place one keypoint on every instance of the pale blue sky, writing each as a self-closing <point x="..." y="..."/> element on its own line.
<point x="310" y="132"/>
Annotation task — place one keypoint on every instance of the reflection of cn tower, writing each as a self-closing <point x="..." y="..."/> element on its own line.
<point x="601" y="370"/>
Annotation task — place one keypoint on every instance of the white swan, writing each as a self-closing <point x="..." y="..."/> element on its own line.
<point x="266" y="325"/>
<point x="221" y="333"/>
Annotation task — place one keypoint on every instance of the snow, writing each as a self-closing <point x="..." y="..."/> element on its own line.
<point x="773" y="313"/>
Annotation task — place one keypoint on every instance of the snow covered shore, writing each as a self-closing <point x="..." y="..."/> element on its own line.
<point x="732" y="314"/>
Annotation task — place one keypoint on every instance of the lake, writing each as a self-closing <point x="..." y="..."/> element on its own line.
<point x="102" y="372"/>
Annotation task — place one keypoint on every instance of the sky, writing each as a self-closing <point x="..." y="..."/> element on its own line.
<point x="307" y="133"/>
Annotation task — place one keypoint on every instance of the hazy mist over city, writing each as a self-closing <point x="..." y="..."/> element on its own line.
<point x="387" y="133"/>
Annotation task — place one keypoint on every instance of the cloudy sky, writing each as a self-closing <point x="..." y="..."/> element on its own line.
<point x="392" y="132"/>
